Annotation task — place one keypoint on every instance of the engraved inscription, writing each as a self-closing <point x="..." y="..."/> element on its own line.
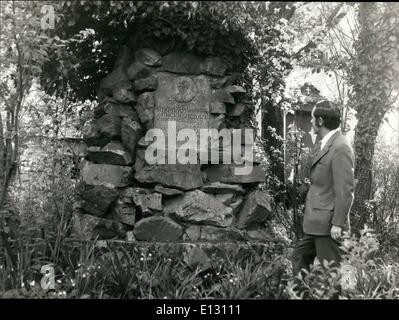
<point x="182" y="99"/>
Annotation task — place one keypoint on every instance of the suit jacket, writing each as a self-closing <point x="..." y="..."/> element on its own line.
<point x="330" y="195"/>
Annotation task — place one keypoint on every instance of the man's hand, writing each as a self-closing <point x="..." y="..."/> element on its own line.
<point x="336" y="233"/>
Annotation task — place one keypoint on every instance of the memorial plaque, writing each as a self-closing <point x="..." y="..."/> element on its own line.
<point x="183" y="99"/>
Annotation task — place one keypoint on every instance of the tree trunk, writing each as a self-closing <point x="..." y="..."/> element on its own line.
<point x="365" y="137"/>
<point x="371" y="100"/>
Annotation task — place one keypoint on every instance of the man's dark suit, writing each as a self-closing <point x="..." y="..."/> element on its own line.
<point x="328" y="202"/>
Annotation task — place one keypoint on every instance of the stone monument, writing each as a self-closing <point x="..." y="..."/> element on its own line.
<point x="123" y="196"/>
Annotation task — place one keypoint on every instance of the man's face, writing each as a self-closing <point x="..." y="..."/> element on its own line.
<point x="315" y="125"/>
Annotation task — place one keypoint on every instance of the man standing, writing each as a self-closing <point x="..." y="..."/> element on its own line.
<point x="330" y="195"/>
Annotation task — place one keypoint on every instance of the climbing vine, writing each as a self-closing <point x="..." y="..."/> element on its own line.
<point x="373" y="75"/>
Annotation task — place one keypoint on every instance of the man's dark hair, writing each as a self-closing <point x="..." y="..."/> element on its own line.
<point x="329" y="112"/>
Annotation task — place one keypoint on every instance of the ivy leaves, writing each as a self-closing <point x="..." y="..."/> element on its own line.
<point x="200" y="27"/>
<point x="87" y="36"/>
<point x="375" y="68"/>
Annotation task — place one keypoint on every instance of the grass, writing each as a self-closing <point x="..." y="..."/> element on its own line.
<point x="117" y="270"/>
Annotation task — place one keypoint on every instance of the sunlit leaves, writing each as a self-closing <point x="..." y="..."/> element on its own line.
<point x="233" y="30"/>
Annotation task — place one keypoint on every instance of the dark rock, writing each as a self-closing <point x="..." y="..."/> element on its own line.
<point x="225" y="198"/>
<point x="106" y="174"/>
<point x="199" y="207"/>
<point x="232" y="78"/>
<point x="235" y="89"/>
<point x="209" y="233"/>
<point x="214" y="234"/>
<point x="138" y="70"/>
<point x="182" y="176"/>
<point x="214" y="66"/>
<point x="221" y="188"/>
<point x="112" y="153"/>
<point x="180" y="62"/>
<point x="226" y="173"/>
<point x="106" y="128"/>
<point x="83" y="226"/>
<point x="192" y="233"/>
<point x="114" y="79"/>
<point x="125" y="194"/>
<point x="108" y="229"/>
<point x="88" y="227"/>
<point x="131" y="131"/>
<point x="145" y="200"/>
<point x="157" y="228"/>
<point x="143" y="142"/>
<point x="169" y="192"/>
<point x="93" y="137"/>
<point x="140" y="162"/>
<point x="124" y="95"/>
<point x="109" y="126"/>
<point x="148" y="57"/>
<point x="146" y="84"/>
<point x="255" y="210"/>
<point x="103" y="93"/>
<point x="218" y="107"/>
<point x="118" y="75"/>
<point x="218" y="83"/>
<point x="115" y="108"/>
<point x="128" y="85"/>
<point x="145" y="109"/>
<point x="236" y="205"/>
<point x="96" y="200"/>
<point x="124" y="212"/>
<point x="236" y="110"/>
<point x="221" y="95"/>
<point x="99" y="109"/>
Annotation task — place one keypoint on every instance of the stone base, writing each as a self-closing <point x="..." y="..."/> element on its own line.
<point x="131" y="196"/>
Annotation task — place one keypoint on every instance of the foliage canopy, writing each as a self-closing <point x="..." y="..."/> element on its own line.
<point x="95" y="31"/>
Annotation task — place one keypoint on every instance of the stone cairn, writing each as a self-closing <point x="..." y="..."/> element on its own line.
<point x="121" y="196"/>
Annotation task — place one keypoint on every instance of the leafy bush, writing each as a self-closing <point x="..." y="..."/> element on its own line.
<point x="383" y="209"/>
<point x="116" y="270"/>
<point x="361" y="274"/>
